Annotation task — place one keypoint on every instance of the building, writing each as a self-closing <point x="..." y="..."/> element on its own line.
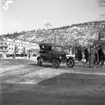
<point x="8" y="46"/>
<point x="3" y="47"/>
<point x="20" y="45"/>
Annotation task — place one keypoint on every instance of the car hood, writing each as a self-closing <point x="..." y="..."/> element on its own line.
<point x="70" y="55"/>
<point x="60" y="53"/>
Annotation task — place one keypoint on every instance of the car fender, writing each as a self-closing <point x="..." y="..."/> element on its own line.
<point x="38" y="57"/>
<point x="70" y="58"/>
<point x="41" y="59"/>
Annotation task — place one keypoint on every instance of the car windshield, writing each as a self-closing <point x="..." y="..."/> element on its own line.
<point x="47" y="48"/>
<point x="59" y="49"/>
<point x="53" y="48"/>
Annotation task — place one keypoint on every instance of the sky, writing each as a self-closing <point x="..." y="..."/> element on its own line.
<point x="20" y="15"/>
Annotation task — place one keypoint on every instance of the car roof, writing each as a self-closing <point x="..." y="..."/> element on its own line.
<point x="50" y="44"/>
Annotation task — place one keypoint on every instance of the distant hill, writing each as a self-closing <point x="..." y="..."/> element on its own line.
<point x="65" y="34"/>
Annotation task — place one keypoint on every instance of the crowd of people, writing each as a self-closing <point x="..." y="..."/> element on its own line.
<point x="93" y="55"/>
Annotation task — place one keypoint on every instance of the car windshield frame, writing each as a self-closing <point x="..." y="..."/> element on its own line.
<point x="54" y="46"/>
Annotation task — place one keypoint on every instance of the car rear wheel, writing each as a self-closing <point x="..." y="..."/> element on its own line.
<point x="55" y="63"/>
<point x="39" y="62"/>
<point x="70" y="63"/>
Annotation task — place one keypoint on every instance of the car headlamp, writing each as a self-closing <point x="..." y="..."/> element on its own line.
<point x="60" y="57"/>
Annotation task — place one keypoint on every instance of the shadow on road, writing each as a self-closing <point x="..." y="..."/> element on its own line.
<point x="43" y="66"/>
<point x="65" y="89"/>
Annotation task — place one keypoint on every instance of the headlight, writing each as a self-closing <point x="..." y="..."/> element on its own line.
<point x="60" y="57"/>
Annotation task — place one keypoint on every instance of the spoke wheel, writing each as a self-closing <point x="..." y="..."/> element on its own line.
<point x="55" y="63"/>
<point x="70" y="63"/>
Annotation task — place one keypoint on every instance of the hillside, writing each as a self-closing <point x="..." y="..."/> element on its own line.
<point x="82" y="33"/>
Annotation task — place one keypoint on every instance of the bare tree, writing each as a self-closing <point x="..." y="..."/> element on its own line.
<point x="83" y="34"/>
<point x="101" y="3"/>
<point x="47" y="25"/>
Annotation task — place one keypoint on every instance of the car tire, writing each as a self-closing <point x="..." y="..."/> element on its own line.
<point x="70" y="63"/>
<point x="55" y="63"/>
<point x="39" y="62"/>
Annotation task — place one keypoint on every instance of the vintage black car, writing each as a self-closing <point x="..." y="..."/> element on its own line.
<point x="52" y="53"/>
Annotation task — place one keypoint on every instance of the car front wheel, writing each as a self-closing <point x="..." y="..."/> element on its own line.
<point x="70" y="63"/>
<point x="55" y="63"/>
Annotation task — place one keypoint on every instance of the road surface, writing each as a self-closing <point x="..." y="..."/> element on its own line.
<point x="25" y="83"/>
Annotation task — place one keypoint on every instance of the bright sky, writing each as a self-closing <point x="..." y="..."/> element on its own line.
<point x="33" y="14"/>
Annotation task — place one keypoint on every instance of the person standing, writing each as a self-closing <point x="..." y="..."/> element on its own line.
<point x="92" y="56"/>
<point x="76" y="53"/>
<point x="79" y="55"/>
<point x="96" y="56"/>
<point x="86" y="53"/>
<point x="101" y="56"/>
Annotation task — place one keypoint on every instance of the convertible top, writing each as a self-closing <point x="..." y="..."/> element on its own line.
<point x="49" y="44"/>
<point x="54" y="45"/>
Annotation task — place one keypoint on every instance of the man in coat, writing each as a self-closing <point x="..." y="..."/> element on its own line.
<point x="86" y="53"/>
<point x="101" y="55"/>
<point x="92" y="56"/>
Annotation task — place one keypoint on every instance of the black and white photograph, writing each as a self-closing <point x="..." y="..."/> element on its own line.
<point x="52" y="52"/>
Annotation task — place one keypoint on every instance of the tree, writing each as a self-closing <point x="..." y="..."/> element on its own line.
<point x="47" y="31"/>
<point x="101" y="3"/>
<point x="47" y="25"/>
<point x="83" y="34"/>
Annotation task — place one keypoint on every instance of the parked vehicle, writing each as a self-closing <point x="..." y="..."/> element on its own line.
<point x="54" y="54"/>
